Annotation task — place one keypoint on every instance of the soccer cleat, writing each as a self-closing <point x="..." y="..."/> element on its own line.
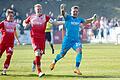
<point x="41" y="74"/>
<point x="77" y="71"/>
<point x="4" y="72"/>
<point x="52" y="65"/>
<point x="33" y="67"/>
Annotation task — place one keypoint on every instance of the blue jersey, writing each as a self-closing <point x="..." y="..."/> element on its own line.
<point x="72" y="26"/>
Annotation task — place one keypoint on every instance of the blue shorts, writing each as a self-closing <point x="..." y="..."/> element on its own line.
<point x="67" y="44"/>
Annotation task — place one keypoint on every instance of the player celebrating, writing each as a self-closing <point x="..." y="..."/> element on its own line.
<point x="8" y="29"/>
<point x="72" y="37"/>
<point x="38" y="22"/>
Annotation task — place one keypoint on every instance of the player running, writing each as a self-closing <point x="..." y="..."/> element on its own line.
<point x="8" y="29"/>
<point x="72" y="38"/>
<point x="38" y="22"/>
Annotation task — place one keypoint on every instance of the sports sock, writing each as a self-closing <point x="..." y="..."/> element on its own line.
<point x="7" y="61"/>
<point x="37" y="61"/>
<point x="51" y="45"/>
<point x="78" y="59"/>
<point x="58" y="57"/>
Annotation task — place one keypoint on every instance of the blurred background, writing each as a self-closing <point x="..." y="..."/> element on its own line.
<point x="105" y="29"/>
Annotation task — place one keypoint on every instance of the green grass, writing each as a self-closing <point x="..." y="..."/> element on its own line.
<point x="100" y="62"/>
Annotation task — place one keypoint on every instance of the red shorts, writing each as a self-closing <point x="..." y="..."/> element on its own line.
<point x="6" y="46"/>
<point x="38" y="43"/>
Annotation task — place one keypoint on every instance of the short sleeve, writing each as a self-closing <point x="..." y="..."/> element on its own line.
<point x="1" y="24"/>
<point x="67" y="17"/>
<point x="82" y="20"/>
<point x="47" y="18"/>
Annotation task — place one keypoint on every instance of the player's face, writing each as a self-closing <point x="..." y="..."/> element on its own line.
<point x="10" y="17"/>
<point x="74" y="12"/>
<point x="38" y="9"/>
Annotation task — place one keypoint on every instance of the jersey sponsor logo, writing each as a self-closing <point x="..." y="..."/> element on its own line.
<point x="9" y="26"/>
<point x="75" y="23"/>
<point x="9" y="30"/>
<point x="35" y="20"/>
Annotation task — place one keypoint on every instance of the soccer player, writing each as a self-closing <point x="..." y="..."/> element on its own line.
<point x="48" y="35"/>
<point x="8" y="29"/>
<point x="38" y="22"/>
<point x="72" y="37"/>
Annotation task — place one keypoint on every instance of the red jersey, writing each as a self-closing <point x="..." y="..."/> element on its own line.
<point x="7" y="28"/>
<point x="38" y="24"/>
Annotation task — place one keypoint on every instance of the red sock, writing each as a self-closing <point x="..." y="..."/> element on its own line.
<point x="7" y="61"/>
<point x="37" y="61"/>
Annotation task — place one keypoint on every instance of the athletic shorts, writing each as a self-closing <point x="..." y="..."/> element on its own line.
<point x="6" y="46"/>
<point x="67" y="44"/>
<point x="48" y="36"/>
<point x="38" y="43"/>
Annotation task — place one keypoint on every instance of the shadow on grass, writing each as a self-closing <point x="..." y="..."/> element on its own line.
<point x="82" y="76"/>
<point x="8" y="70"/>
<point x="61" y="76"/>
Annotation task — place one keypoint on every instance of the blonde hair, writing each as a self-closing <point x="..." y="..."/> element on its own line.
<point x="36" y="5"/>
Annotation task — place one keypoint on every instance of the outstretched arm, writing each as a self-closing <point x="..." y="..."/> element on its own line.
<point x="90" y="20"/>
<point x="56" y="23"/>
<point x="26" y="22"/>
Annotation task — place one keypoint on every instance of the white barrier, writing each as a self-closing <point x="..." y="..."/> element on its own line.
<point x="114" y="37"/>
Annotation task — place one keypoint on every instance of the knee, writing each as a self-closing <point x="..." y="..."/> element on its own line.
<point x="37" y="52"/>
<point x="9" y="53"/>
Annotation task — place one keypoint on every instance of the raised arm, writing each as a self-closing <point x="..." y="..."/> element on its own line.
<point x="62" y="10"/>
<point x="90" y="20"/>
<point x="63" y="13"/>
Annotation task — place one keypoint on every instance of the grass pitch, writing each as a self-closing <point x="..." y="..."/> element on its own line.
<point x="100" y="62"/>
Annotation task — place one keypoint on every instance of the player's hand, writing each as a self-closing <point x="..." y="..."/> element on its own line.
<point x="62" y="6"/>
<point x="94" y="17"/>
<point x="18" y="43"/>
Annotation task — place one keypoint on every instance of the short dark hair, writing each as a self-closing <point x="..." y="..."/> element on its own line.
<point x="75" y="7"/>
<point x="9" y="11"/>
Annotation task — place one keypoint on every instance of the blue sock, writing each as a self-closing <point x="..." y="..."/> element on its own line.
<point x="58" y="57"/>
<point x="78" y="59"/>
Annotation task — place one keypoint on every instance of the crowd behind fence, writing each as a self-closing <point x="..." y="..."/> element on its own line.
<point x="103" y="30"/>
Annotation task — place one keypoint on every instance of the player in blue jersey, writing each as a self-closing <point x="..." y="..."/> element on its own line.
<point x="72" y="36"/>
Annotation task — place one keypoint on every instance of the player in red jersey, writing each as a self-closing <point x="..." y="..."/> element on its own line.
<point x="38" y="22"/>
<point x="8" y="29"/>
